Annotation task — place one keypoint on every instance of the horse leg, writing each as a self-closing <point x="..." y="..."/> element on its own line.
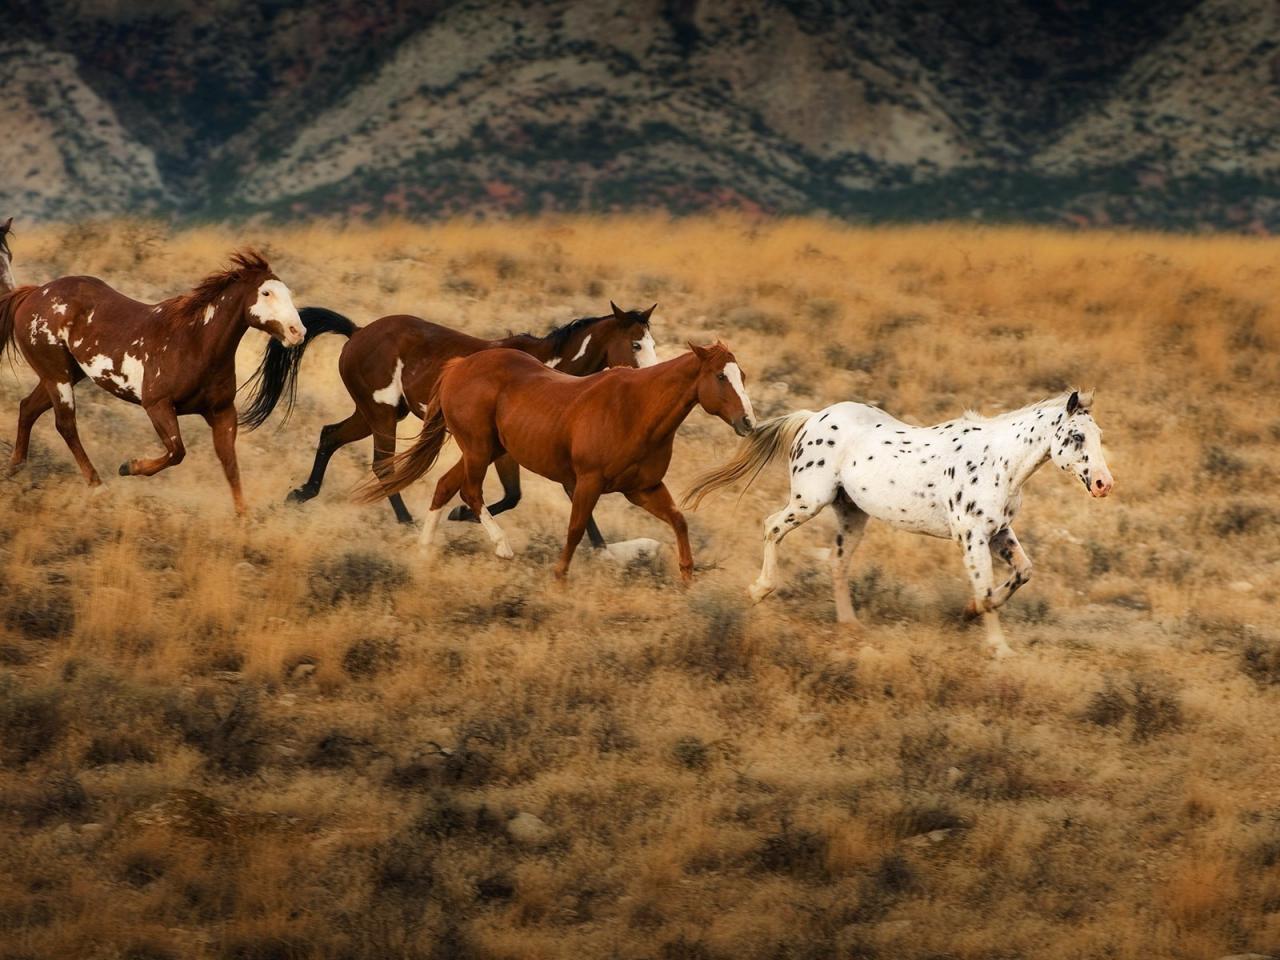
<point x="977" y="559"/>
<point x="384" y="448"/>
<point x="810" y="493"/>
<point x="594" y="536"/>
<point x="586" y="492"/>
<point x="446" y="489"/>
<point x="852" y="525"/>
<point x="29" y="411"/>
<point x="333" y="438"/>
<point x="223" y="424"/>
<point x="165" y="420"/>
<point x="509" y="473"/>
<point x="1006" y="546"/>
<point x="657" y="500"/>
<point x="474" y="465"/>
<point x="63" y="399"/>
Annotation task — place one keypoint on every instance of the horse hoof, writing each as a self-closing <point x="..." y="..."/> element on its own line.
<point x="124" y="469"/>
<point x="301" y="495"/>
<point x="406" y="520"/>
<point x="462" y="513"/>
<point x="504" y="551"/>
<point x="1002" y="652"/>
<point x="758" y="593"/>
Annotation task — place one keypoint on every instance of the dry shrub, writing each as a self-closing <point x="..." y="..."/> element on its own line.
<point x="1150" y="703"/>
<point x="1260" y="660"/>
<point x="227" y="727"/>
<point x="42" y="615"/>
<point x="32" y="721"/>
<point x="356" y="576"/>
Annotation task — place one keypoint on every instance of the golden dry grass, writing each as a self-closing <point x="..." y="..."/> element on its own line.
<point x="716" y="781"/>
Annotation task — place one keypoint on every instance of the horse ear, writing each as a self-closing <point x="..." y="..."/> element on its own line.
<point x="8" y="225"/>
<point x="617" y="312"/>
<point x="1086" y="400"/>
<point x="1073" y="402"/>
<point x="699" y="352"/>
<point x="648" y="313"/>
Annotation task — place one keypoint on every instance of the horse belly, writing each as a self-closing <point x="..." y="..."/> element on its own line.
<point x="898" y="501"/>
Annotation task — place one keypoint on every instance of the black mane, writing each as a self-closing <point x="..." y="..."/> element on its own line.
<point x="561" y="335"/>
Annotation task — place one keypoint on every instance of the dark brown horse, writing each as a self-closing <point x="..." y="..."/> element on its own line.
<point x="173" y="358"/>
<point x="608" y="433"/>
<point x="391" y="368"/>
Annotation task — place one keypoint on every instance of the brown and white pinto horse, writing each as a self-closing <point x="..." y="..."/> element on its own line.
<point x="608" y="433"/>
<point x="172" y="358"/>
<point x="391" y="368"/>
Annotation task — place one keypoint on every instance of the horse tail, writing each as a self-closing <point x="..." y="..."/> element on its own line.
<point x="408" y="465"/>
<point x="9" y="303"/>
<point x="277" y="374"/>
<point x="753" y="456"/>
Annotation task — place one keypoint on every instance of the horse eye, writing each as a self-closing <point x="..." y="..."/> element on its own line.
<point x="721" y="376"/>
<point x="266" y="293"/>
<point x="635" y="345"/>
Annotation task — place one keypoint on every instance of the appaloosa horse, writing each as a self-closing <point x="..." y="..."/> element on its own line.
<point x="6" y="258"/>
<point x="391" y="367"/>
<point x="607" y="433"/>
<point x="960" y="480"/>
<point x="173" y="358"/>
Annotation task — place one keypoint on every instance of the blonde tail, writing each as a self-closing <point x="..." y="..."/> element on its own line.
<point x="754" y="455"/>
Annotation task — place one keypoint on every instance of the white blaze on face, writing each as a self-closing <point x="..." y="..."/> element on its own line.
<point x="734" y="373"/>
<point x="6" y="274"/>
<point x="275" y="305"/>
<point x="647" y="355"/>
<point x="393" y="391"/>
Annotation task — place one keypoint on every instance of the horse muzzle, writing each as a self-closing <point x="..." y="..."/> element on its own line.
<point x="743" y="426"/>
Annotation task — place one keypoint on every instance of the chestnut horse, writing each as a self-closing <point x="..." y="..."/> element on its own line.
<point x="391" y="368"/>
<point x="173" y="358"/>
<point x="608" y="433"/>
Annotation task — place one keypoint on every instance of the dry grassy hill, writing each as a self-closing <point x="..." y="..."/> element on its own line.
<point x="295" y="737"/>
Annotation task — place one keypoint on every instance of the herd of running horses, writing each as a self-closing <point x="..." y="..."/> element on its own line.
<point x="588" y="405"/>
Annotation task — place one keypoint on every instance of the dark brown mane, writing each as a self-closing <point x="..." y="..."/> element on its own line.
<point x="245" y="264"/>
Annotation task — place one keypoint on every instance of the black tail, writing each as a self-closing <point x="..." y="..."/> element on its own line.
<point x="277" y="374"/>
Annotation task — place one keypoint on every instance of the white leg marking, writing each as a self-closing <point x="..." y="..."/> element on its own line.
<point x="429" y="528"/>
<point x="502" y="547"/>
<point x="67" y="395"/>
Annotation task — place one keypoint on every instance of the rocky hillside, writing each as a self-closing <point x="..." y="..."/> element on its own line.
<point x="1075" y="110"/>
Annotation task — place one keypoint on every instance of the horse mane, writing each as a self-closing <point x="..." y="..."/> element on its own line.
<point x="244" y="264"/>
<point x="4" y="244"/>
<point x="560" y="336"/>
<point x="975" y="416"/>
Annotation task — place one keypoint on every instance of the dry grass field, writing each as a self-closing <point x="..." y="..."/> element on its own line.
<point x="292" y="737"/>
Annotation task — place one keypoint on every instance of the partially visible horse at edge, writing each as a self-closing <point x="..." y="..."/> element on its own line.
<point x="607" y="433"/>
<point x="960" y="480"/>
<point x="173" y="358"/>
<point x="391" y="367"/>
<point x="7" y="282"/>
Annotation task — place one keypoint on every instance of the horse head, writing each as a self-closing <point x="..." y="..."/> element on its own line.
<point x="7" y="282"/>
<point x="268" y="302"/>
<point x="1077" y="445"/>
<point x="722" y="387"/>
<point x="629" y="341"/>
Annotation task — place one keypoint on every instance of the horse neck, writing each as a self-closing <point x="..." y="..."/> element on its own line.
<point x="221" y="336"/>
<point x="583" y="353"/>
<point x="1025" y="458"/>
<point x="669" y="392"/>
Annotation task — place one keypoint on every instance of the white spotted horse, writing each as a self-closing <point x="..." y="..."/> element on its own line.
<point x="960" y="480"/>
<point x="391" y="367"/>
<point x="173" y="358"/>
